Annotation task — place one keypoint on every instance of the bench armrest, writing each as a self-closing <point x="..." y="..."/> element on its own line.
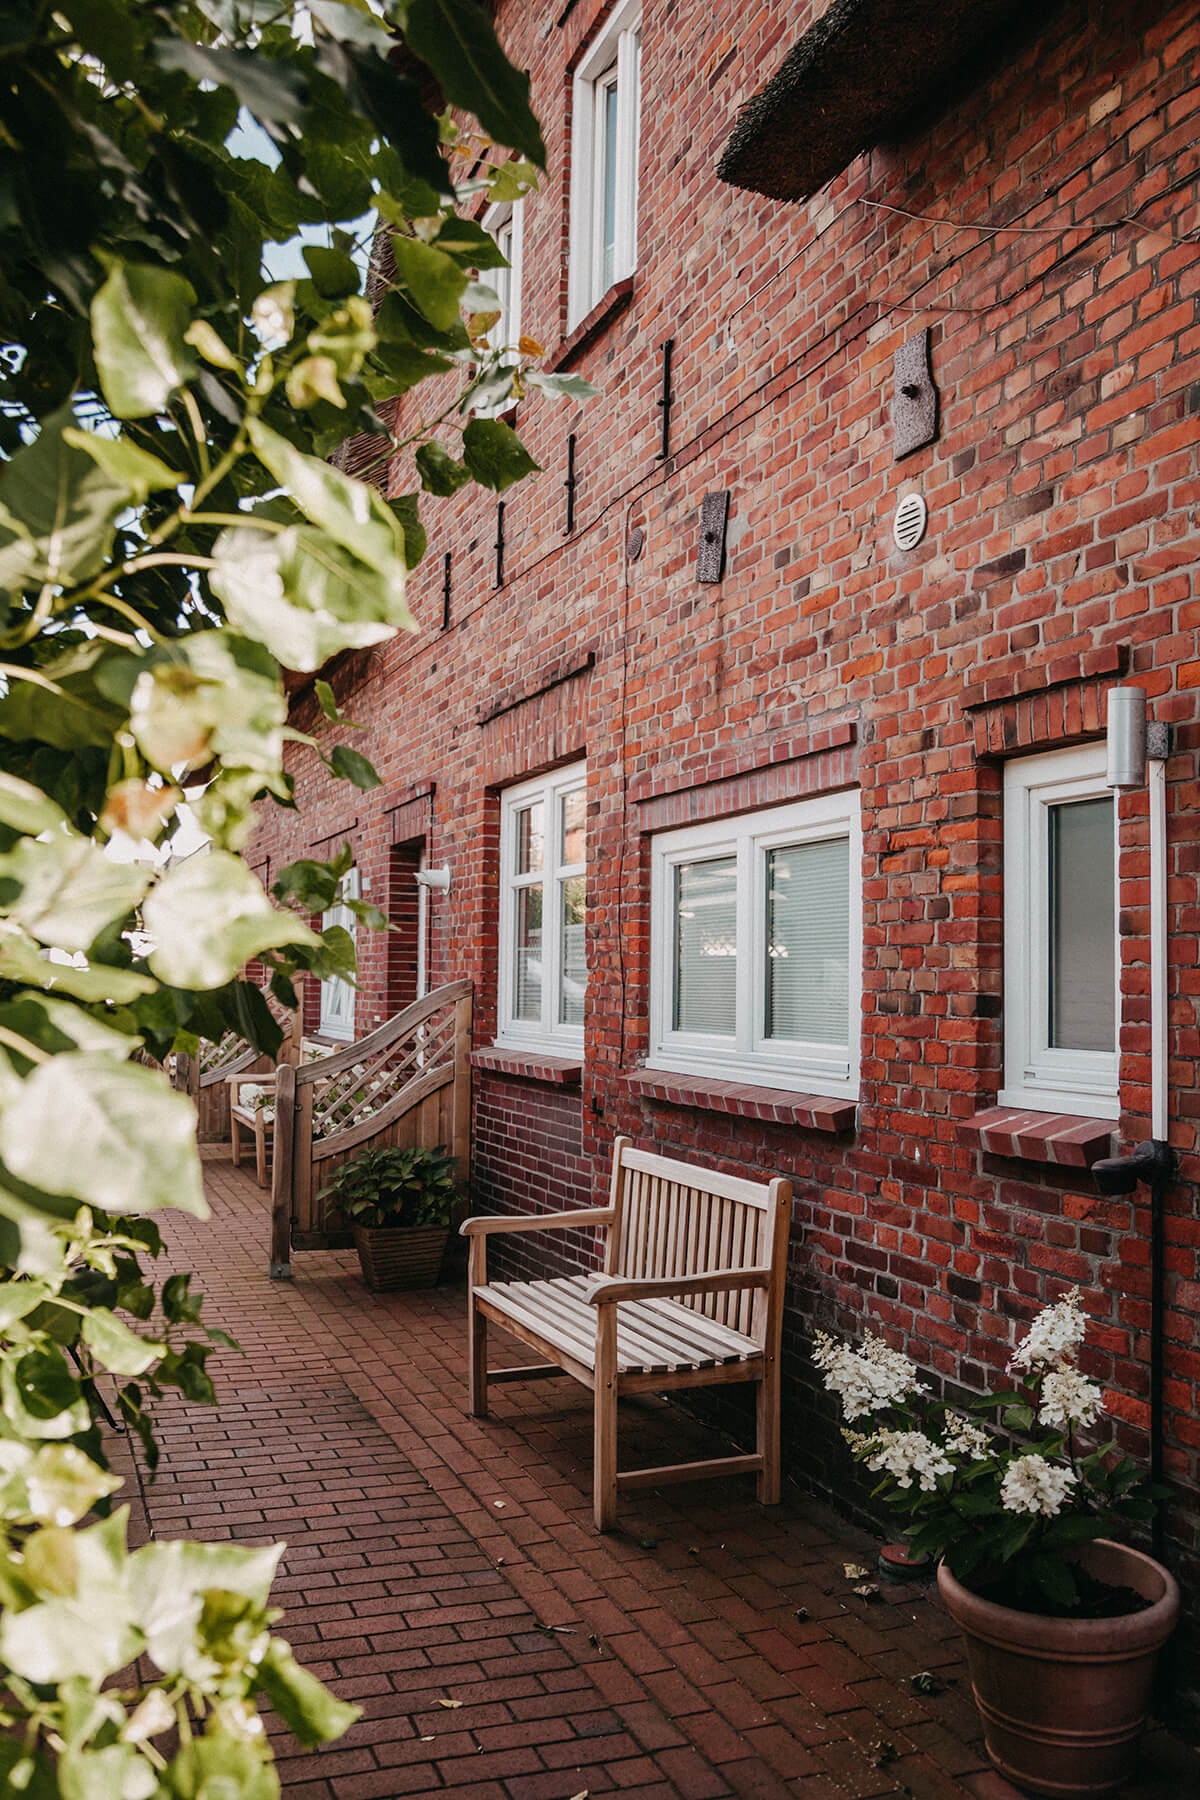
<point x="607" y="1290"/>
<point x="234" y="1082"/>
<point x="583" y="1215"/>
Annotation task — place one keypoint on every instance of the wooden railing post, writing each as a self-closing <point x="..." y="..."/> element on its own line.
<point x="282" y="1164"/>
<point x="461" y="1144"/>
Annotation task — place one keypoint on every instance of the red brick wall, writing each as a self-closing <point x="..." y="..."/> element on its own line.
<point x="1062" y="550"/>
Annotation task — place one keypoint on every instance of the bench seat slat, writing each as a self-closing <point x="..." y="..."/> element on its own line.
<point x="652" y="1335"/>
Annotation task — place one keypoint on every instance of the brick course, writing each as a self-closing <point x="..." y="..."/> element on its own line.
<point x="1042" y="224"/>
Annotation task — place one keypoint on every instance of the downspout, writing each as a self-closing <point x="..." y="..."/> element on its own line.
<point x="1137" y="757"/>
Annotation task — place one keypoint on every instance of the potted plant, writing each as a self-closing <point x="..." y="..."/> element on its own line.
<point x="398" y="1202"/>
<point x="1062" y="1623"/>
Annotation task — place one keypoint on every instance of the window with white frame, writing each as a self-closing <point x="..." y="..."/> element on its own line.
<point x="337" y="995"/>
<point x="543" y="912"/>
<point x="1061" y="962"/>
<point x="756" y="947"/>
<point x="505" y="224"/>
<point x="605" y="121"/>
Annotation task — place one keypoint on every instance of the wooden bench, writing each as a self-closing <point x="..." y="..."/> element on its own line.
<point x="691" y="1295"/>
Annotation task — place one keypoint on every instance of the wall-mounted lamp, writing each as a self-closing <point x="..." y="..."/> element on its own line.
<point x="438" y="880"/>
<point x="1126" y="739"/>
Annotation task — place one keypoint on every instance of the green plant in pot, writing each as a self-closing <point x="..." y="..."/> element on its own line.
<point x="398" y="1203"/>
<point x="1062" y="1622"/>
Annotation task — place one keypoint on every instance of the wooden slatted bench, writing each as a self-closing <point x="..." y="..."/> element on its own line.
<point x="691" y="1295"/>
<point x="245" y="1113"/>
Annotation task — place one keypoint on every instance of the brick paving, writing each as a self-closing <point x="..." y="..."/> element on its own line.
<point x="706" y="1649"/>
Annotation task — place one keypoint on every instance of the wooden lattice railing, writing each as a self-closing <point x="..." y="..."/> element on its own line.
<point x="407" y="1083"/>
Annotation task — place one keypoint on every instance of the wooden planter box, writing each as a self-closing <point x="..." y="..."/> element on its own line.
<point x="400" y="1257"/>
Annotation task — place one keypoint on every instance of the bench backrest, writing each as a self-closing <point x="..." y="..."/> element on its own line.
<point x="675" y="1219"/>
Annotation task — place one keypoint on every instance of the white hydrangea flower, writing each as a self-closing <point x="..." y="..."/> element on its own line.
<point x="868" y="1379"/>
<point x="909" y="1456"/>
<point x="1033" y="1485"/>
<point x="964" y="1438"/>
<point x="1069" y="1398"/>
<point x="1053" y="1338"/>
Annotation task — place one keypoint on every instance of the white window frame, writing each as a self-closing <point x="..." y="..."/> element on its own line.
<point x="547" y="1034"/>
<point x="750" y="1056"/>
<point x="338" y="995"/>
<point x="507" y="329"/>
<point x="616" y="54"/>
<point x="1037" y="1076"/>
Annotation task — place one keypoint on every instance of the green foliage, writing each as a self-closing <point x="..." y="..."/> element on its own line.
<point x="172" y="531"/>
<point x="393" y="1187"/>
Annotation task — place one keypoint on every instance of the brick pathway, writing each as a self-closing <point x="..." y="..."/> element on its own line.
<point x="707" y="1649"/>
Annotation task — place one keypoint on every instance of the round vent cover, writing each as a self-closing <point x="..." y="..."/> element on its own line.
<point x="908" y="526"/>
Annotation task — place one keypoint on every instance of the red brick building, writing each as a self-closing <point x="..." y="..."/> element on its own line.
<point x="853" y="909"/>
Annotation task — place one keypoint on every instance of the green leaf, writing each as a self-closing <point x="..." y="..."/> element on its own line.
<point x="139" y="320"/>
<point x="439" y="472"/>
<point x="348" y="765"/>
<point x="68" y="889"/>
<point x="572" y="387"/>
<point x="61" y="1484"/>
<point x="26" y="808"/>
<point x="124" y="463"/>
<point x="354" y="514"/>
<point x="457" y="40"/>
<point x="313" y="885"/>
<point x="120" y="1350"/>
<point x="180" y="1306"/>
<point x="306" y="1706"/>
<point x="220" y="1767"/>
<point x="41" y="1397"/>
<point x="1019" y="1418"/>
<point x="470" y="244"/>
<point x="306" y="597"/>
<point x="86" y="1631"/>
<point x="209" y="917"/>
<point x="58" y="511"/>
<point x="264" y="85"/>
<point x="168" y="1583"/>
<point x="334" y="274"/>
<point x="406" y="510"/>
<point x="113" y="1135"/>
<point x="495" y="454"/>
<point x="22" y="961"/>
<point x="54" y="1025"/>
<point x="511" y="181"/>
<point x="433" y="281"/>
<point x="327" y="701"/>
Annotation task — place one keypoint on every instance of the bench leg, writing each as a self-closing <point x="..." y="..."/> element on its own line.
<point x="260" y="1151"/>
<point x="767" y="1398"/>
<point x="604" y="1474"/>
<point x="235" y="1139"/>
<point x="477" y="1376"/>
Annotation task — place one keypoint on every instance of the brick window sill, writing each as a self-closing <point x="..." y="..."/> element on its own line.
<point x="811" y="1112"/>
<point x="1065" y="1139"/>
<point x="530" y="1065"/>
<point x="593" y="323"/>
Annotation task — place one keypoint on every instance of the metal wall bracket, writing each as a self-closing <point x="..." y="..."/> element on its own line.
<point x="710" y="558"/>
<point x="914" y="396"/>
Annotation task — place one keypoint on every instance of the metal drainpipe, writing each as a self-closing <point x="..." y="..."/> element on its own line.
<point x="1157" y="748"/>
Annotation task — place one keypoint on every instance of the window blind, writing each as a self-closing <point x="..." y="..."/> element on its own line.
<point x="1083" y="998"/>
<point x="808" y="942"/>
<point x="706" y="946"/>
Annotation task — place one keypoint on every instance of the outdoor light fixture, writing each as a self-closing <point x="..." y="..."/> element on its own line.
<point x="1126" y="737"/>
<point x="438" y="880"/>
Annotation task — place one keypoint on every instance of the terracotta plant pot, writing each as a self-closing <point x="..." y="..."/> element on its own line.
<point x="406" y="1256"/>
<point x="1063" y="1701"/>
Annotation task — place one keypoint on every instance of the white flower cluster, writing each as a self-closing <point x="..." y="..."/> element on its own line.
<point x="1033" y="1485"/>
<point x="1069" y="1399"/>
<point x="1053" y="1338"/>
<point x="865" y="1380"/>
<point x="909" y="1456"/>
<point x="963" y="1438"/>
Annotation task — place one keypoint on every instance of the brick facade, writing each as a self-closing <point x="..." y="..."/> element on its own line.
<point x="1060" y="557"/>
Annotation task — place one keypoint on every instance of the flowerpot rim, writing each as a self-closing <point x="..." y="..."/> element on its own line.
<point x="1054" y="1636"/>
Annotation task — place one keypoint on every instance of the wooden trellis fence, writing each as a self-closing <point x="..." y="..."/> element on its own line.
<point x="409" y="1082"/>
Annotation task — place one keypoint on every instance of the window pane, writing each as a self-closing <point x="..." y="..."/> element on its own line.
<point x="706" y="946"/>
<point x="1083" y="1013"/>
<point x="573" y="970"/>
<point x="574" y="840"/>
<point x="529" y="838"/>
<point x="808" y="942"/>
<point x="527" y="1000"/>
<point x="608" y="182"/>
